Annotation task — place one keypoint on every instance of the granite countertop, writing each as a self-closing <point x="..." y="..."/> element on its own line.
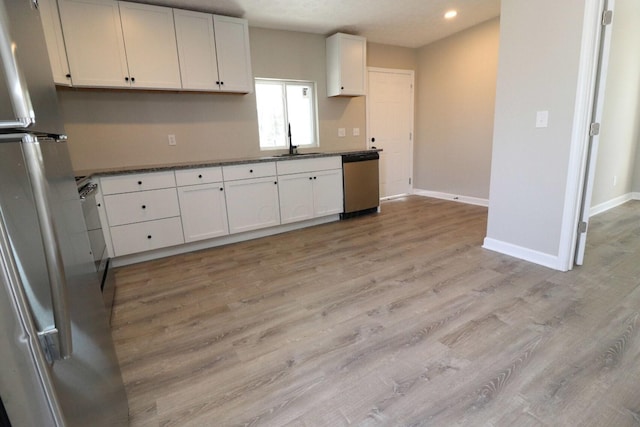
<point x="211" y="163"/>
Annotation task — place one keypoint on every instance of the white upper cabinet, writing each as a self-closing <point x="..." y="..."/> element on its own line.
<point x="196" y="50"/>
<point x="346" y="65"/>
<point x="214" y="52"/>
<point x="120" y="44"/>
<point x="132" y="45"/>
<point x="95" y="45"/>
<point x="150" y="43"/>
<point x="233" y="52"/>
<point x="55" y="42"/>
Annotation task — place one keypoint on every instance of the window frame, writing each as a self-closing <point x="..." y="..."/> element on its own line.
<point x="283" y="83"/>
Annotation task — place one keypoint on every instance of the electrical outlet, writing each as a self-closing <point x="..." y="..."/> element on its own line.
<point x="542" y="119"/>
<point x="342" y="132"/>
<point x="356" y="131"/>
<point x="172" y="139"/>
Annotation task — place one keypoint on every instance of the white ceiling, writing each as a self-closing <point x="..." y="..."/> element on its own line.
<point x="409" y="23"/>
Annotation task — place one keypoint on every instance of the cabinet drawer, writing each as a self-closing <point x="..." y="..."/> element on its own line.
<point x="137" y="182"/>
<point x="250" y="170"/>
<point x="146" y="236"/>
<point x="198" y="176"/>
<point x="141" y="206"/>
<point x="309" y="165"/>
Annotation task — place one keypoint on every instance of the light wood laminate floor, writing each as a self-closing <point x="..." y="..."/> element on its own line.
<point x="396" y="319"/>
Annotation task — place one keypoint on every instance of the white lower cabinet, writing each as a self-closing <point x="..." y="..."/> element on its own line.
<point x="146" y="236"/>
<point x="252" y="204"/>
<point x="327" y="192"/>
<point x="310" y="188"/>
<point x="310" y="195"/>
<point x="296" y="197"/>
<point x="141" y="206"/>
<point x="153" y="210"/>
<point x="204" y="211"/>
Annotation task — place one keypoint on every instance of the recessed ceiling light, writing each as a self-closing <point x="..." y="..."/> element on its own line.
<point x="450" y="14"/>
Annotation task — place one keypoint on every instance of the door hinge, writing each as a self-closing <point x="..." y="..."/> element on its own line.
<point x="409" y="181"/>
<point x="607" y="17"/>
<point x="594" y="129"/>
<point x="410" y="136"/>
<point x="582" y="227"/>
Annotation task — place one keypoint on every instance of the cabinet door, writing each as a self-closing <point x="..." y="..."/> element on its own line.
<point x="353" y="59"/>
<point x="204" y="211"/>
<point x="95" y="46"/>
<point x="196" y="50"/>
<point x="252" y="204"/>
<point x="346" y="65"/>
<point x="55" y="42"/>
<point x="150" y="41"/>
<point x="234" y="60"/>
<point x="327" y="192"/>
<point x="296" y="197"/>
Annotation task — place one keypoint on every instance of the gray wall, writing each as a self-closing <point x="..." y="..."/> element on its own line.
<point x="386" y="56"/>
<point x="113" y="128"/>
<point x="621" y="115"/>
<point x="455" y="106"/>
<point x="540" y="45"/>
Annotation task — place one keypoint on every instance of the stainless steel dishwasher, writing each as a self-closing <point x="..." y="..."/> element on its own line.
<point x="361" y="183"/>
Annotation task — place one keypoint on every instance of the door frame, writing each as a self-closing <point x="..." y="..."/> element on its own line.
<point x="594" y="140"/>
<point x="410" y="73"/>
<point x="575" y="190"/>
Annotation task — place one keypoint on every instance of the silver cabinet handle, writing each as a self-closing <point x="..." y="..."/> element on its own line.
<point x="53" y="255"/>
<point x="18" y="91"/>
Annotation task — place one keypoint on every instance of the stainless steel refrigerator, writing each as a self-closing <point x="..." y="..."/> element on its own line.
<point x="58" y="365"/>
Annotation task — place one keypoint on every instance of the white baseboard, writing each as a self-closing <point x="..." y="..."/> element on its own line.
<point x="526" y="254"/>
<point x="452" y="197"/>
<point x="615" y="202"/>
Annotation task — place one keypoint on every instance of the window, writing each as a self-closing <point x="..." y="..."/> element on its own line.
<point x="284" y="105"/>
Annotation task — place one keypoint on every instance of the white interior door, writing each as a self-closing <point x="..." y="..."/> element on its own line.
<point x="592" y="155"/>
<point x="390" y="127"/>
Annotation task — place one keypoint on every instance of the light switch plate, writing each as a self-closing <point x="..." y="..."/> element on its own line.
<point x="356" y="131"/>
<point x="542" y="119"/>
<point x="342" y="132"/>
<point x="172" y="139"/>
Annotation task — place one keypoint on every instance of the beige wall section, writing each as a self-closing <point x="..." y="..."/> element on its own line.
<point x="456" y="87"/>
<point x="386" y="56"/>
<point x="621" y="114"/>
<point x="540" y="62"/>
<point x="112" y="128"/>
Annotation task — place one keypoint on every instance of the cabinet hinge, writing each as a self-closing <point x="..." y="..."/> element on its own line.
<point x="594" y="129"/>
<point x="607" y="17"/>
<point x="582" y="227"/>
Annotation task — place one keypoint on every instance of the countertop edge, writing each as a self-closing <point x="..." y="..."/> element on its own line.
<point x="213" y="163"/>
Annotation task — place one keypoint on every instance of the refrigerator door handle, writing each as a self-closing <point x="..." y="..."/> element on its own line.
<point x="53" y="254"/>
<point x="16" y="86"/>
